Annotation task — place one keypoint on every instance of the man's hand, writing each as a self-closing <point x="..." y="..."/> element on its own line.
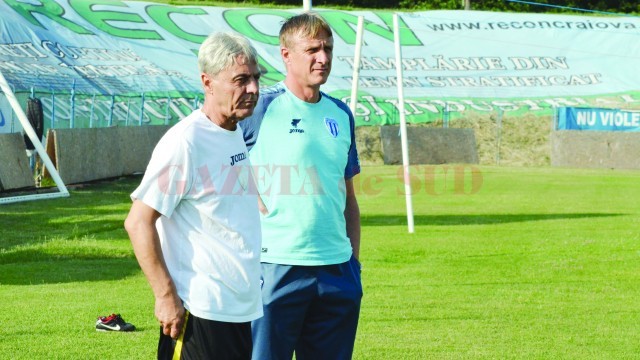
<point x="170" y="312"/>
<point x="262" y="207"/>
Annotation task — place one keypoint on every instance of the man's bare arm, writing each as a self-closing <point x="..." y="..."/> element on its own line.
<point x="140" y="224"/>
<point x="352" y="218"/>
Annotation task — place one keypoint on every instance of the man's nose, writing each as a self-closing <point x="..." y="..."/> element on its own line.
<point x="322" y="57"/>
<point x="254" y="86"/>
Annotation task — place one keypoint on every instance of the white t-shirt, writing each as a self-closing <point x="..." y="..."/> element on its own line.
<point x="199" y="179"/>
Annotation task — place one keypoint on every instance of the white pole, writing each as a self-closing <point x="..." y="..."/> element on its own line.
<point x="26" y="126"/>
<point x="356" y="66"/>
<point x="306" y="5"/>
<point x="403" y="125"/>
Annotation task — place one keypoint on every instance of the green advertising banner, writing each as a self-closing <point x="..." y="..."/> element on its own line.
<point x="109" y="62"/>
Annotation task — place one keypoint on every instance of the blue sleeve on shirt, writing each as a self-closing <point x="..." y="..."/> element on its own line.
<point x="353" y="163"/>
<point x="251" y="125"/>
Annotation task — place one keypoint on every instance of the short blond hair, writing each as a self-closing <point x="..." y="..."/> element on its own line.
<point x="307" y="25"/>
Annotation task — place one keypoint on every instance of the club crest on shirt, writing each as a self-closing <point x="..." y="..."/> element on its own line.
<point x="295" y="129"/>
<point x="332" y="126"/>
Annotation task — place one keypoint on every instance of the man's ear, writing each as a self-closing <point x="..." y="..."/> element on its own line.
<point x="206" y="83"/>
<point x="284" y="52"/>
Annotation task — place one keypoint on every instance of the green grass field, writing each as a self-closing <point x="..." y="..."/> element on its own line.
<point x="505" y="263"/>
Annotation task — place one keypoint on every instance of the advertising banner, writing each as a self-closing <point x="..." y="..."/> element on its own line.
<point x="88" y="57"/>
<point x="598" y="119"/>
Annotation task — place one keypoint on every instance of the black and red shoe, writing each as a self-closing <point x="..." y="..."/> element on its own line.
<point x="113" y="322"/>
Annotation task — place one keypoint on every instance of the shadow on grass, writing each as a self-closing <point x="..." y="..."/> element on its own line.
<point x="34" y="228"/>
<point x="74" y="239"/>
<point x="54" y="269"/>
<point x="488" y="219"/>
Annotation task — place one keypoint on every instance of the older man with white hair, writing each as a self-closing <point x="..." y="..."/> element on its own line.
<point x="194" y="222"/>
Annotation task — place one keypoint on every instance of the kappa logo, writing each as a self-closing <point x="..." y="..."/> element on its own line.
<point x="294" y="129"/>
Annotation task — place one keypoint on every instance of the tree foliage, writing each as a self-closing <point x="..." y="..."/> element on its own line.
<point x="615" y="6"/>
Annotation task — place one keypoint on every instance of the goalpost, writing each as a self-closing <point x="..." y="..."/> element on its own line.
<point x="403" y="123"/>
<point x="28" y="129"/>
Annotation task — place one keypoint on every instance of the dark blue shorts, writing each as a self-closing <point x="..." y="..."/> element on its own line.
<point x="312" y="310"/>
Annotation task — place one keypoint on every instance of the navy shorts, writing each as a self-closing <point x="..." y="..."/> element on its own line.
<point x="312" y="310"/>
<point x="207" y="339"/>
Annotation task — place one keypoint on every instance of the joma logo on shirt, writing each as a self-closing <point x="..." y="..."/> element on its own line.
<point x="294" y="123"/>
<point x="238" y="157"/>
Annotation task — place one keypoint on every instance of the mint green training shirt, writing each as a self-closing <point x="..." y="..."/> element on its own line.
<point x="301" y="154"/>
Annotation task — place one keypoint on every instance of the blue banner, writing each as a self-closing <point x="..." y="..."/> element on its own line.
<point x="570" y="118"/>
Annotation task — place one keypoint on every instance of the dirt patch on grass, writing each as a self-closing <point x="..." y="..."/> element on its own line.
<point x="369" y="145"/>
<point x="511" y="141"/>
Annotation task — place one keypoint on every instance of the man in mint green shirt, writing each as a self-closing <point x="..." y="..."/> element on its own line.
<point x="302" y="148"/>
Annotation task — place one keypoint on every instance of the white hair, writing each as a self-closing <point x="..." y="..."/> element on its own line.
<point x="220" y="50"/>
